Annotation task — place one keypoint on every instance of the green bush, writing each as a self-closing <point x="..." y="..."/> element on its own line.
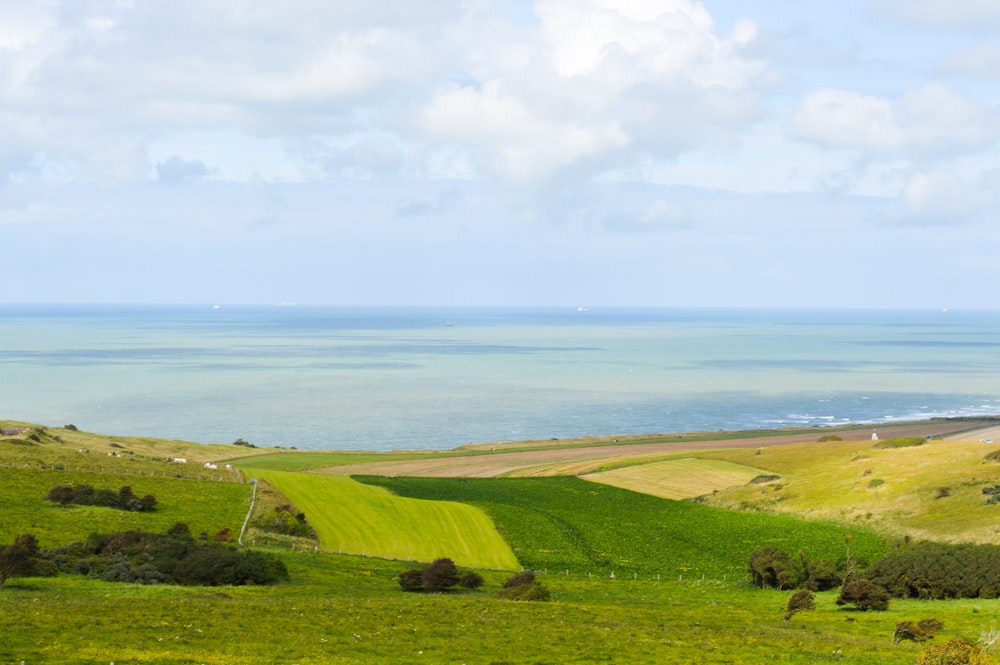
<point x="147" y="558"/>
<point x="800" y="601"/>
<point x="917" y="632"/>
<point x="523" y="586"/>
<point x="85" y="495"/>
<point x="864" y="595"/>
<point x="772" y="568"/>
<point x="827" y="438"/>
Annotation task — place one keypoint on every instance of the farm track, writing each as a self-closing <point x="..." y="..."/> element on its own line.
<point x="520" y="462"/>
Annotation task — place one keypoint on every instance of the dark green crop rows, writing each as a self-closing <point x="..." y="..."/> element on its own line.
<point x="564" y="523"/>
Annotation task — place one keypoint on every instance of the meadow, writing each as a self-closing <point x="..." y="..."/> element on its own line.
<point x="634" y="578"/>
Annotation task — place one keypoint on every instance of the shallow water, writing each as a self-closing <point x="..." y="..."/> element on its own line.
<point x="390" y="378"/>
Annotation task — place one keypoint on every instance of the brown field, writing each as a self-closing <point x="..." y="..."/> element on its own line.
<point x="587" y="458"/>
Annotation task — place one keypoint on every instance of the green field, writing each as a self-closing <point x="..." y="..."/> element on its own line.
<point x="360" y="519"/>
<point x="564" y="523"/>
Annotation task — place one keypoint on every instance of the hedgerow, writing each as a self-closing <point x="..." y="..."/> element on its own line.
<point x="939" y="571"/>
<point x="85" y="495"/>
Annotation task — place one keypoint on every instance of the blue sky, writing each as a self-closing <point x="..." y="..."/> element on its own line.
<point x="758" y="153"/>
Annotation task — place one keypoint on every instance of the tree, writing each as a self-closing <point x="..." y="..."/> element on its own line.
<point x="864" y="595"/>
<point x="19" y="559"/>
<point x="412" y="579"/>
<point x="799" y="602"/>
<point x="917" y="632"/>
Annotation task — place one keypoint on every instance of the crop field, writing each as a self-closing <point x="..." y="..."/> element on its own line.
<point x="361" y="519"/>
<point x="203" y="505"/>
<point x="678" y="479"/>
<point x="564" y="523"/>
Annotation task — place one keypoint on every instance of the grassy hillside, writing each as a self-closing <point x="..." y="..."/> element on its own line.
<point x="932" y="491"/>
<point x="360" y="519"/>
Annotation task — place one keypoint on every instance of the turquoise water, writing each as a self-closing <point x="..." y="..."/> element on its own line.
<point x="392" y="378"/>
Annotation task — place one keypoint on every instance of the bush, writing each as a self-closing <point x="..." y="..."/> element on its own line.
<point x="471" y="580"/>
<point x="827" y="438"/>
<point x="19" y="559"/>
<point x="147" y="558"/>
<point x="520" y="579"/>
<point x="800" y="601"/>
<point x="955" y="652"/>
<point x="917" y="632"/>
<point x="772" y="568"/>
<point x="534" y="591"/>
<point x="285" y="520"/>
<point x="441" y="575"/>
<point x="864" y="595"/>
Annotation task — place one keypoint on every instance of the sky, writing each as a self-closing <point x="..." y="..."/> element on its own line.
<point x="663" y="153"/>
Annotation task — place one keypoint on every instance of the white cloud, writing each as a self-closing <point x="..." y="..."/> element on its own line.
<point x="940" y="197"/>
<point x="931" y="120"/>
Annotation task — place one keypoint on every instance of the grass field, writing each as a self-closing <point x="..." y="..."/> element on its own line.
<point x="360" y="519"/>
<point x="678" y="479"/>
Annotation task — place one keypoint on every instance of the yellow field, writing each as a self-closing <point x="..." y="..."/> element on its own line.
<point x="353" y="518"/>
<point x="678" y="479"/>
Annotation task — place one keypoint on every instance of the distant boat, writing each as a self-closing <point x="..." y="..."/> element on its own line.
<point x="583" y="309"/>
<point x="449" y="324"/>
<point x="216" y="306"/>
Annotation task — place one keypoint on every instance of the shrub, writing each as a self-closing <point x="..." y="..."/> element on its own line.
<point x="520" y="579"/>
<point x="826" y="438"/>
<point x="917" y="632"/>
<point x="764" y="478"/>
<point x="534" y="591"/>
<point x="772" y="568"/>
<point x="285" y="520"/>
<point x="471" y="580"/>
<point x="440" y="575"/>
<point x="955" y="652"/>
<point x="800" y="601"/>
<point x="412" y="579"/>
<point x="864" y="595"/>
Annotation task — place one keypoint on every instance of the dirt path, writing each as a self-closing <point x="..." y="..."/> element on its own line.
<point x="500" y="462"/>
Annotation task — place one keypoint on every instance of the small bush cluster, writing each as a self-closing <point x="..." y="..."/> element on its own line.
<point x="171" y="558"/>
<point x="801" y="601"/>
<point x="285" y="520"/>
<point x="86" y="495"/>
<point x="828" y="438"/>
<point x="440" y="575"/>
<point x="939" y="571"/>
<point x="764" y="478"/>
<point x="523" y="586"/>
<point x="992" y="493"/>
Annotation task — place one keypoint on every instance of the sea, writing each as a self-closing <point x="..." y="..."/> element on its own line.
<point x="400" y="378"/>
